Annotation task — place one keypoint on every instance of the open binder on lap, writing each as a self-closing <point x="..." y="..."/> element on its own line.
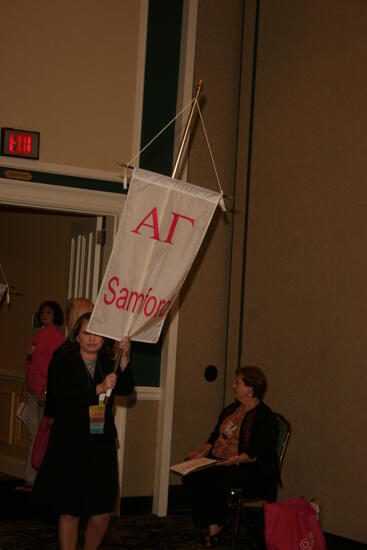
<point x="189" y="466"/>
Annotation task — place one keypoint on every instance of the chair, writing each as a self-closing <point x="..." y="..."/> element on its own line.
<point x="241" y="499"/>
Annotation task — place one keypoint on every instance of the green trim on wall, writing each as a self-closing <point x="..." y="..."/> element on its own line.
<point x="65" y="181"/>
<point x="159" y="107"/>
<point x="161" y="84"/>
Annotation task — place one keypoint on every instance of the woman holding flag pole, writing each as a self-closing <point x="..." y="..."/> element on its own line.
<point x="78" y="476"/>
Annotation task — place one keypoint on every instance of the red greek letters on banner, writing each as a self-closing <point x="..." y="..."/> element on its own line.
<point x="162" y="226"/>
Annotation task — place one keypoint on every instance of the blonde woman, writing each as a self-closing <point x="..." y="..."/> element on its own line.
<point x="76" y="308"/>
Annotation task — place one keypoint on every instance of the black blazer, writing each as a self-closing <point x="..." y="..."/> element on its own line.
<point x="71" y="390"/>
<point x="258" y="437"/>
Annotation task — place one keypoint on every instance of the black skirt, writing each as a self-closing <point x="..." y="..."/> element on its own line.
<point x="78" y="476"/>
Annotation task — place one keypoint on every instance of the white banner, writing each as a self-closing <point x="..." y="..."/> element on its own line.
<point x="162" y="227"/>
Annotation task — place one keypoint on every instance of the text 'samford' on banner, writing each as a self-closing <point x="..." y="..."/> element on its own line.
<point x="162" y="227"/>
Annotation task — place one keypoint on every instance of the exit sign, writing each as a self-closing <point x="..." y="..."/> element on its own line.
<point x="20" y="143"/>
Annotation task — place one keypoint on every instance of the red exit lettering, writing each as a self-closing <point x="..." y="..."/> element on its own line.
<point x="20" y="144"/>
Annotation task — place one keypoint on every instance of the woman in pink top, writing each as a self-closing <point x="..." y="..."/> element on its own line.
<point x="38" y="356"/>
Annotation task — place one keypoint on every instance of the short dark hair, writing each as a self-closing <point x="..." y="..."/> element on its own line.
<point x="57" y="311"/>
<point x="255" y="379"/>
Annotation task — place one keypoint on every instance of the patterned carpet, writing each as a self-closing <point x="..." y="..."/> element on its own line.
<point x="143" y="532"/>
<point x="24" y="528"/>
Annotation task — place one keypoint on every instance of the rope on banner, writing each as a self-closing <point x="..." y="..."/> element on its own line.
<point x="191" y="102"/>
<point x="128" y="165"/>
<point x="210" y="153"/>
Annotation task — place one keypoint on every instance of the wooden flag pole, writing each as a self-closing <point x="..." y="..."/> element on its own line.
<point x="199" y="87"/>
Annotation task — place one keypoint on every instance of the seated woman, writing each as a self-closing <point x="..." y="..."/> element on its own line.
<point x="78" y="475"/>
<point x="244" y="440"/>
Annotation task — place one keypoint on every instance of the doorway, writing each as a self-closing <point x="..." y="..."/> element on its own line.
<point x="46" y="255"/>
<point x="35" y="236"/>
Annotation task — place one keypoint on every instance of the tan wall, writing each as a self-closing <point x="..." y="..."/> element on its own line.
<point x="69" y="71"/>
<point x="305" y="294"/>
<point x="204" y="299"/>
